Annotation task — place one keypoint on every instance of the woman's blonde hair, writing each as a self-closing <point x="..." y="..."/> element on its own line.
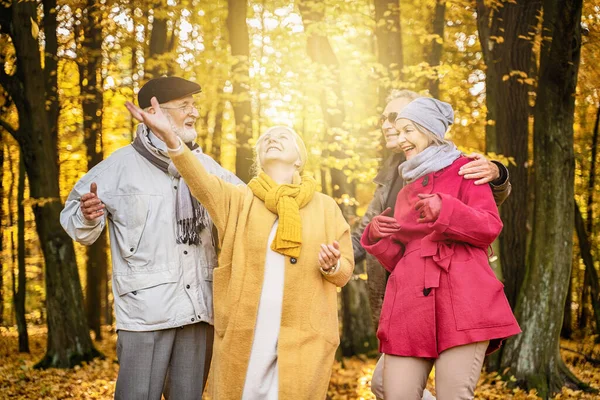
<point x="298" y="142"/>
<point x="433" y="139"/>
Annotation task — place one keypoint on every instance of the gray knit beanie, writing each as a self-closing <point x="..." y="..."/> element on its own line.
<point x="432" y="114"/>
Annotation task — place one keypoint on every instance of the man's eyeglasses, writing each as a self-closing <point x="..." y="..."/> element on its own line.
<point x="391" y="118"/>
<point x="186" y="109"/>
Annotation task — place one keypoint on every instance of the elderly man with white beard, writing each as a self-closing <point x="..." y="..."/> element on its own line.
<point x="162" y="251"/>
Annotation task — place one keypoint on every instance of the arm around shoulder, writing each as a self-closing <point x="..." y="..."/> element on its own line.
<point x="501" y="187"/>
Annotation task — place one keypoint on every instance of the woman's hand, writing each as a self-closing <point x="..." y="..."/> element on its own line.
<point x="382" y="226"/>
<point x="429" y="207"/>
<point x="158" y="122"/>
<point x="329" y="255"/>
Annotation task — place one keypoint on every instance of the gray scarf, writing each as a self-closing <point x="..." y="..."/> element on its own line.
<point x="191" y="216"/>
<point x="432" y="159"/>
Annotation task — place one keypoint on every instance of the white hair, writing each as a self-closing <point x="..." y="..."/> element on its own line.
<point x="402" y="94"/>
<point x="257" y="167"/>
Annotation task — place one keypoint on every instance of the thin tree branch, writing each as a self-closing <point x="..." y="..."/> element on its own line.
<point x="12" y="85"/>
<point x="13" y="132"/>
<point x="483" y="27"/>
<point x="591" y="360"/>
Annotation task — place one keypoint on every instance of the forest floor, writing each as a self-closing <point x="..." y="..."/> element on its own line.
<point x="350" y="380"/>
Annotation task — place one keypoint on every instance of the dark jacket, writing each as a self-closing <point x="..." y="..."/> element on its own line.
<point x="389" y="183"/>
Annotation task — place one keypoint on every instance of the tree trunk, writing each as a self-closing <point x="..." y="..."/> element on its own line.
<point x="505" y="51"/>
<point x="389" y="45"/>
<point x="90" y="81"/>
<point x="69" y="341"/>
<point x="585" y="294"/>
<point x="567" y="325"/>
<point x="591" y="274"/>
<point x="135" y="70"/>
<point x="11" y="222"/>
<point x="356" y="316"/>
<point x="217" y="136"/>
<point x="592" y="180"/>
<point x="357" y="328"/>
<point x="534" y="355"/>
<point x="158" y="46"/>
<point x="435" y="58"/>
<point x="51" y="64"/>
<point x="2" y="227"/>
<point x="242" y="109"/>
<point x="484" y="29"/>
<point x="19" y="292"/>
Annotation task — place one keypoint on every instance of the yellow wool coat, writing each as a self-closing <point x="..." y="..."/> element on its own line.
<point x="309" y="332"/>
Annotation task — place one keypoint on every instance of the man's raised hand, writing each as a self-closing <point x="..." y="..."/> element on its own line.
<point x="158" y="122"/>
<point x="91" y="206"/>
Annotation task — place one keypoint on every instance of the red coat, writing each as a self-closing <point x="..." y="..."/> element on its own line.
<point x="442" y="292"/>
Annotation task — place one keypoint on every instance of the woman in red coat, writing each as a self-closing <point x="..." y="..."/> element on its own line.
<point x="443" y="304"/>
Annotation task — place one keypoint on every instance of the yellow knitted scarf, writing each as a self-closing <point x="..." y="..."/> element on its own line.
<point x="285" y="201"/>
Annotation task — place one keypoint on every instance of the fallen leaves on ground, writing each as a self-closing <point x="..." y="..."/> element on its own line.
<point x="351" y="379"/>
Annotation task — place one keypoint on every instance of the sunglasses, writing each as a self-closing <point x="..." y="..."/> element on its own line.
<point x="391" y="118"/>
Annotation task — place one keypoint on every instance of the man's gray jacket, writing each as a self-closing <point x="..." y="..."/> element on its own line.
<point x="157" y="283"/>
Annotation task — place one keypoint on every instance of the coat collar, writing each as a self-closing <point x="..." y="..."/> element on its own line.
<point x="389" y="169"/>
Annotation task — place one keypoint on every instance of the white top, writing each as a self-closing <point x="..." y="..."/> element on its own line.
<point x="262" y="376"/>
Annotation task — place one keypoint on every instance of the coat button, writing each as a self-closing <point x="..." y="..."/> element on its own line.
<point x="131" y="249"/>
<point x="185" y="252"/>
<point x="193" y="319"/>
<point x="426" y="180"/>
<point x="134" y="293"/>
<point x="293" y="260"/>
<point x="174" y="187"/>
<point x="187" y="286"/>
<point x="426" y="291"/>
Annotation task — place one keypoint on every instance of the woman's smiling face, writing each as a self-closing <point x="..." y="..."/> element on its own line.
<point x="278" y="145"/>
<point x="410" y="139"/>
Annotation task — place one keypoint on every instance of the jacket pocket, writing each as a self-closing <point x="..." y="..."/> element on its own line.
<point x="221" y="278"/>
<point x="133" y="282"/>
<point x="148" y="299"/>
<point x="131" y="230"/>
<point x="477" y="296"/>
<point x="387" y="309"/>
<point x="323" y="312"/>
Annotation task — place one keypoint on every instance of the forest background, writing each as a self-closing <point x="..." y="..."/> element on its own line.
<point x="522" y="78"/>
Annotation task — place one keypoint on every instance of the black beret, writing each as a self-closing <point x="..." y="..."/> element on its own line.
<point x="165" y="89"/>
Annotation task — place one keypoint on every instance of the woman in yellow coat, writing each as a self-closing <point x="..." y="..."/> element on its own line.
<point x="285" y="249"/>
